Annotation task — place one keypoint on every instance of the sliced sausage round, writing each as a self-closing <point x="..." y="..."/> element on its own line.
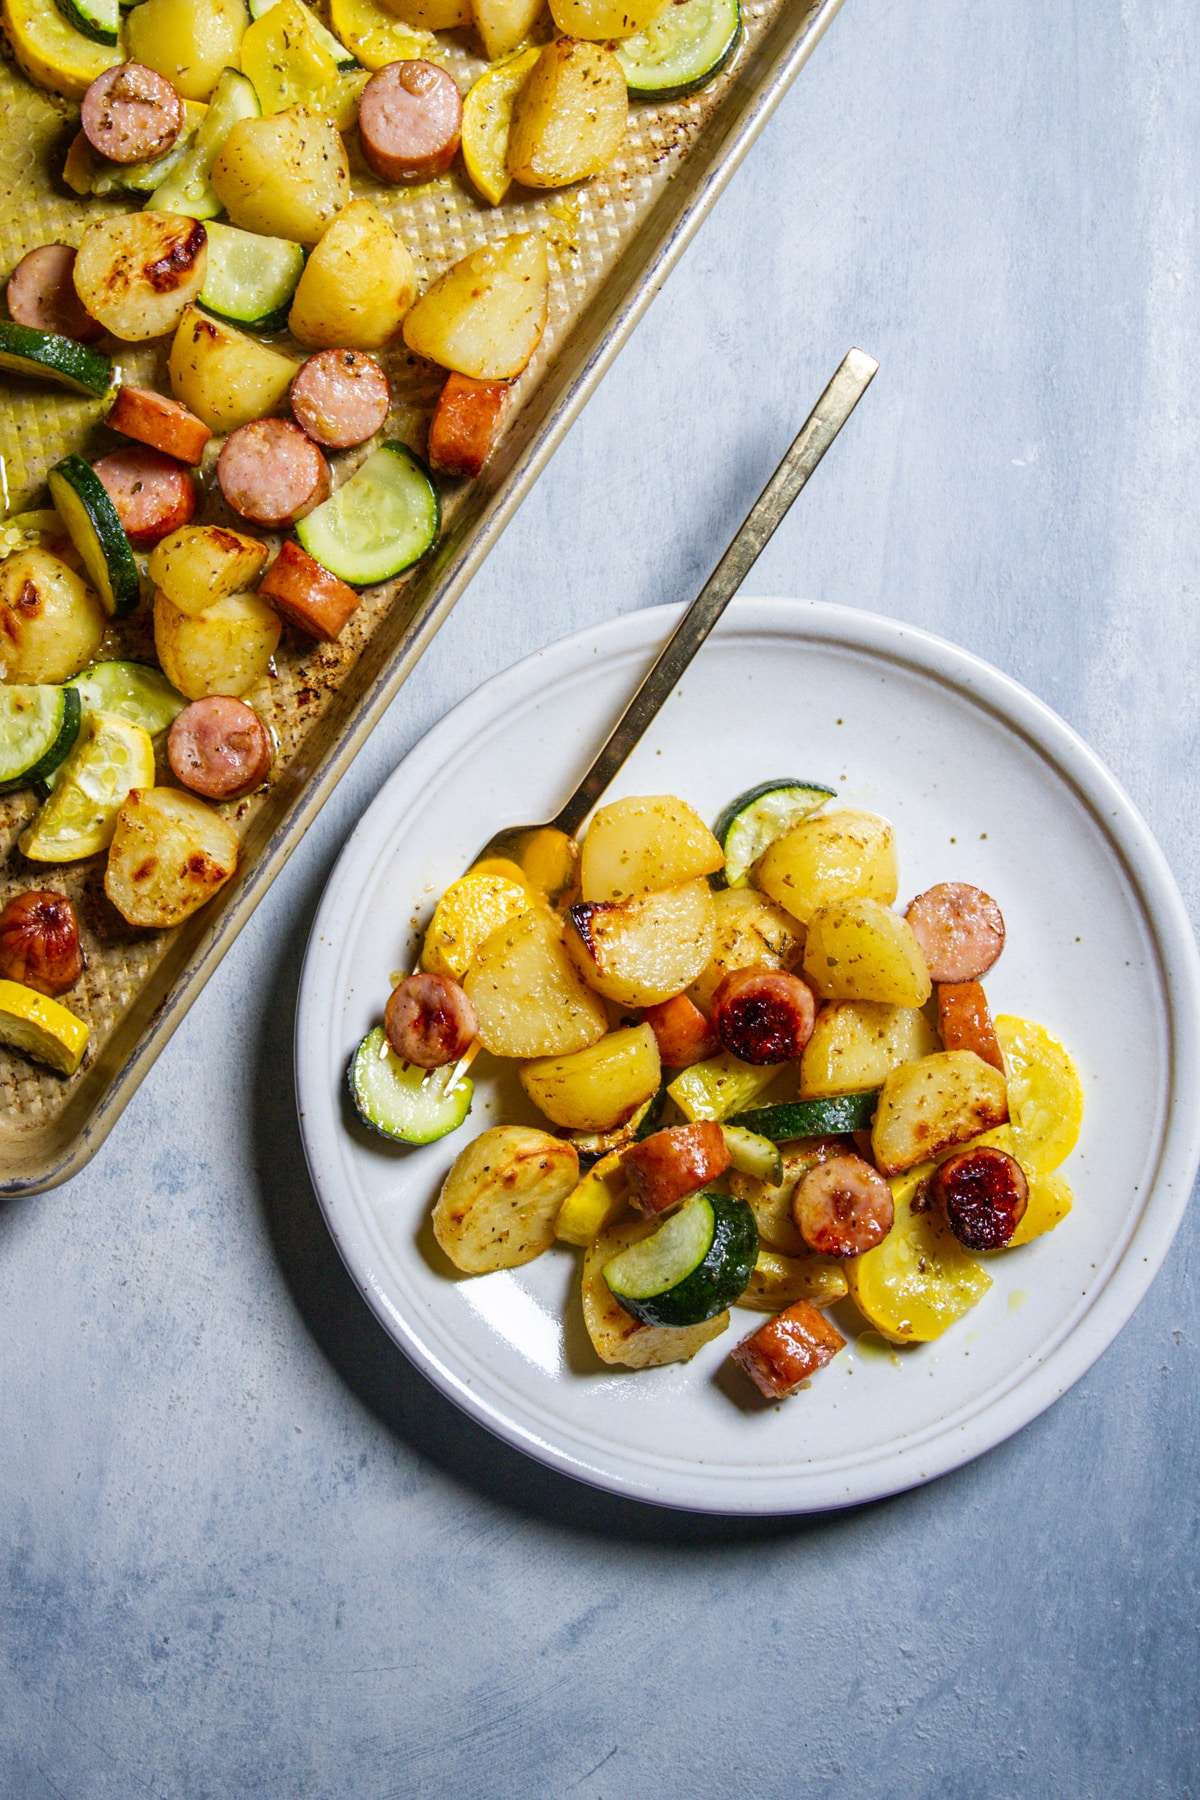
<point x="341" y="398"/>
<point x="153" y="495"/>
<point x="842" y="1207"/>
<point x="271" y="473"/>
<point x="161" y="423"/>
<point x="764" y="1015"/>
<point x="681" y="1031"/>
<point x="960" y="930"/>
<point x="39" y="941"/>
<point x="965" y="1021"/>
<point x="984" y="1193"/>
<point x="219" y="747"/>
<point x="429" y="1021"/>
<point x="785" y="1352"/>
<point x="131" y="113"/>
<point x="410" y="121"/>
<point x="41" y="294"/>
<point x="669" y="1165"/>
<point x="307" y="595"/>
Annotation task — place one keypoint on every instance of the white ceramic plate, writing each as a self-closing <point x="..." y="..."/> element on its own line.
<point x="984" y="784"/>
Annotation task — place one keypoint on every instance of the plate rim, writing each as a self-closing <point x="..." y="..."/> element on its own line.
<point x="1169" y="927"/>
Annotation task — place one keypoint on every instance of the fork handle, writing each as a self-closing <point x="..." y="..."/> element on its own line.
<point x="850" y="382"/>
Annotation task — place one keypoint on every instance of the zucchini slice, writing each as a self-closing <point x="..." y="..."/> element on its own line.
<point x="751" y="823"/>
<point x="684" y="49"/>
<point x="398" y="1100"/>
<point x="83" y="505"/>
<point x="345" y="59"/>
<point x="592" y="1145"/>
<point x="752" y="1154"/>
<point x="188" y="189"/>
<point x="811" y="1118"/>
<point x="250" y="279"/>
<point x="38" y="727"/>
<point x="380" y="522"/>
<point x="25" y="351"/>
<point x="133" y="691"/>
<point x="692" y="1267"/>
<point x="97" y="19"/>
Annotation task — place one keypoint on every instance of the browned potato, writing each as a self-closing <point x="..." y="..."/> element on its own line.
<point x="136" y="273"/>
<point x="643" y="951"/>
<point x="170" y="853"/>
<point x="499" y="1202"/>
<point x="617" y="1337"/>
<point x="485" y="316"/>
<point x="528" y="998"/>
<point x="605" y="18"/>
<point x="570" y="117"/>
<point x="924" y="1106"/>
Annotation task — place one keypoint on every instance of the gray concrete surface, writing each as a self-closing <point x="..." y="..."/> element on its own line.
<point x="244" y="1549"/>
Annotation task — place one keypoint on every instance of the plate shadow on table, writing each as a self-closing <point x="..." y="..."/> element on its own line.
<point x="379" y="1374"/>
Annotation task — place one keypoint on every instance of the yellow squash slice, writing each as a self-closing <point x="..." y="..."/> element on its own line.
<point x="111" y="756"/>
<point x="41" y="1027"/>
<point x="487" y="123"/>
<point x="920" y="1280"/>
<point x="1045" y="1094"/>
<point x="466" y="915"/>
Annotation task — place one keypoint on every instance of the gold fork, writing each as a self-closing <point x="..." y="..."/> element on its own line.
<point x="849" y="383"/>
<point x="847" y="387"/>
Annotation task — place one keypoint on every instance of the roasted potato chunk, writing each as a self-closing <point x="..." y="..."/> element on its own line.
<point x="642" y="951"/>
<point x="498" y="1204"/>
<point x="570" y="116"/>
<point x="600" y="1087"/>
<point x="617" y="1337"/>
<point x="285" y="175"/>
<point x="504" y="24"/>
<point x="169" y="854"/>
<point x="223" y="650"/>
<point x="188" y="41"/>
<point x="830" y="856"/>
<point x="485" y="316"/>
<point x="528" y="998"/>
<point x="605" y="18"/>
<point x="224" y="377"/>
<point x="947" y="1098"/>
<point x="855" y="1043"/>
<point x="357" y="284"/>
<point x="51" y="621"/>
<point x="138" y="272"/>
<point x="638" y="845"/>
<point x="750" y="932"/>
<point x="859" y="950"/>
<point x="780" y="1281"/>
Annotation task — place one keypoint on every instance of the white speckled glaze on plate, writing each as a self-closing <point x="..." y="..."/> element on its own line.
<point x="984" y="784"/>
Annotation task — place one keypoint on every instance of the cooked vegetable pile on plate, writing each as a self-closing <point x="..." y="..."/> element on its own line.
<point x="767" y="1086"/>
<point x="226" y="133"/>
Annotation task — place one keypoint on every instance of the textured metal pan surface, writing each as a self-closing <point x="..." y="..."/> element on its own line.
<point x="613" y="242"/>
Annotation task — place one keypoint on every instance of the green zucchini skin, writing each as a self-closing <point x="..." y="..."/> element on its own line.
<point x="86" y="18"/>
<point x="137" y="691"/>
<point x="699" y="64"/>
<point x="23" y="765"/>
<point x="24" y="351"/>
<point x="811" y="1118"/>
<point x="338" y="533"/>
<point x="744" y="837"/>
<point x="711" y="1285"/>
<point x="399" y="1102"/>
<point x="96" y="532"/>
